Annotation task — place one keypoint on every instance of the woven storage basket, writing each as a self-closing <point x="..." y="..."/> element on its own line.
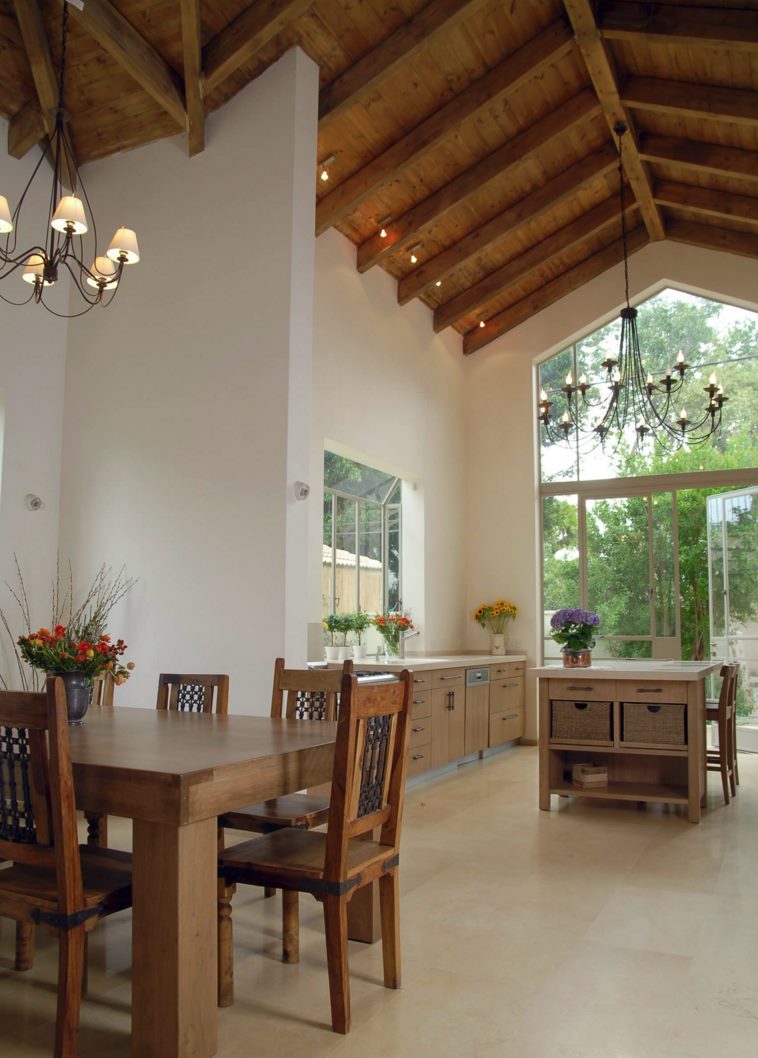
<point x="657" y="725"/>
<point x="581" y="721"/>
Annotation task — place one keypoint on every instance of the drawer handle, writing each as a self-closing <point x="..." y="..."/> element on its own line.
<point x="419" y="679"/>
<point x="511" y="683"/>
<point x="458" y="677"/>
<point x="654" y="708"/>
<point x="512" y="716"/>
<point x="574" y="687"/>
<point x="650" y="690"/>
<point x="580" y="705"/>
<point x="417" y="729"/>
<point x="419" y="701"/>
<point x="418" y="756"/>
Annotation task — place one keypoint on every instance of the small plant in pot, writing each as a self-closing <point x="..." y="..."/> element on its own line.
<point x="361" y="621"/>
<point x="574" y="630"/>
<point x="345" y="627"/>
<point x="331" y="628"/>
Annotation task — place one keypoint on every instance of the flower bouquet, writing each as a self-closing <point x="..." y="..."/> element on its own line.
<point x="495" y="616"/>
<point x="391" y="626"/>
<point x="574" y="630"/>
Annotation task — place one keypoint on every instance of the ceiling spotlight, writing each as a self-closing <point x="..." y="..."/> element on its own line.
<point x="383" y="227"/>
<point x="481" y="323"/>
<point x="438" y="283"/>
<point x="324" y="167"/>
<point x="414" y="258"/>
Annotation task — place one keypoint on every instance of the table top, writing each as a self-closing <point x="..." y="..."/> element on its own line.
<point x="632" y="670"/>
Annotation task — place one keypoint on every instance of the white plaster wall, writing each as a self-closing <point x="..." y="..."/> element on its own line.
<point x="32" y="367"/>
<point x="502" y="532"/>
<point x="388" y="391"/>
<point x="178" y="440"/>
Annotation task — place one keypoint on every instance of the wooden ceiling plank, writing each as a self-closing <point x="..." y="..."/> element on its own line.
<point x="193" y="75"/>
<point x="250" y="31"/>
<point x="532" y="260"/>
<point x="713" y="102"/>
<point x="703" y="157"/>
<point x="707" y="201"/>
<point x="359" y="80"/>
<point x="525" y="63"/>
<point x="105" y="24"/>
<point x="693" y="26"/>
<point x="545" y="198"/>
<point x="600" y="68"/>
<point x="25" y="129"/>
<point x="405" y="229"/>
<point x="553" y="291"/>
<point x="712" y="238"/>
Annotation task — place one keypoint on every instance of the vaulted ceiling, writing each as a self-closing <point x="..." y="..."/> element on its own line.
<point x="469" y="143"/>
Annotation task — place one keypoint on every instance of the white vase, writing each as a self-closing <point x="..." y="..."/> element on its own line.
<point x="345" y="653"/>
<point x="332" y="653"/>
<point x="359" y="651"/>
<point x="497" y="646"/>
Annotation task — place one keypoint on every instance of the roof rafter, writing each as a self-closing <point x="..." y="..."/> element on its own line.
<point x="697" y="26"/>
<point x="360" y="79"/>
<point x="405" y="229"/>
<point x="713" y="238"/>
<point x="704" y="157"/>
<point x="531" y="206"/>
<point x="600" y="68"/>
<point x="564" y="284"/>
<point x="526" y="62"/>
<point x="738" y="105"/>
<point x="193" y="75"/>
<point x="138" y="57"/>
<point x="532" y="260"/>
<point x="250" y="31"/>
<point x="704" y="200"/>
<point x="25" y="129"/>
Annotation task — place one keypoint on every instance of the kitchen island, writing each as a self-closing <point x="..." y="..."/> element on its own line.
<point x="643" y="721"/>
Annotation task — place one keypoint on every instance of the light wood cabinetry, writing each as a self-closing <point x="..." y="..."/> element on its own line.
<point x="448" y="715"/>
<point x="477" y="731"/>
<point x="507" y="718"/>
<point x="420" y="742"/>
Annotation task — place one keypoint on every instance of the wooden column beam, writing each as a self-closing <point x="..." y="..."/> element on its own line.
<point x="558" y="288"/>
<point x="532" y="260"/>
<point x="361" y="79"/>
<point x="533" y="205"/>
<point x="713" y="238"/>
<point x="713" y="102"/>
<point x="25" y="129"/>
<point x="600" y="68"/>
<point x="515" y="70"/>
<point x="702" y="157"/>
<point x="706" y="201"/>
<point x="121" y="40"/>
<point x="404" y="230"/>
<point x="193" y="75"/>
<point x="693" y="26"/>
<point x="247" y="34"/>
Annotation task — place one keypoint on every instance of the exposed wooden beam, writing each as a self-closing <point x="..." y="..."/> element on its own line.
<point x="532" y="260"/>
<point x="521" y="66"/>
<point x="738" y="105"/>
<point x="603" y="75"/>
<point x="553" y="291"/>
<point x="361" y="79"/>
<point x="703" y="157"/>
<point x="712" y="237"/>
<point x="404" y="230"/>
<point x="706" y="201"/>
<point x="694" y="26"/>
<point x="247" y="34"/>
<point x="193" y="75"/>
<point x="25" y="129"/>
<point x="533" y="205"/>
<point x="128" y="47"/>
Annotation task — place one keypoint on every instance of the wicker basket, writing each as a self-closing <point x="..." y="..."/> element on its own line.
<point x="661" y="724"/>
<point x="581" y="722"/>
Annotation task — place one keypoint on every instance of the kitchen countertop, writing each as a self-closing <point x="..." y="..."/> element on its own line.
<point x="424" y="664"/>
<point x="632" y="670"/>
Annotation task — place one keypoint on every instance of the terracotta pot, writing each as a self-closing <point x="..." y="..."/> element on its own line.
<point x="576" y="659"/>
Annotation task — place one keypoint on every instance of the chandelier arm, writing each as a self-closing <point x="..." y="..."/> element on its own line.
<point x="10" y="301"/>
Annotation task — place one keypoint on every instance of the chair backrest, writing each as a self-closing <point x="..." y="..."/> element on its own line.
<point x="37" y="808"/>
<point x="193" y="693"/>
<point x="728" y="673"/>
<point x="370" y="759"/>
<point x="306" y="694"/>
<point x="103" y="687"/>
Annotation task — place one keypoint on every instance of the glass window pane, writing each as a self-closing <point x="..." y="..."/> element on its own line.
<point x="664" y="585"/>
<point x="617" y="565"/>
<point x="372" y="570"/>
<point x="327" y="565"/>
<point x="394" y="528"/>
<point x="557" y="458"/>
<point x="345" y="556"/>
<point x="345" y="475"/>
<point x="716" y="560"/>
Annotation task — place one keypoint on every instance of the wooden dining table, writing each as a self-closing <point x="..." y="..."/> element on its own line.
<point x="173" y="774"/>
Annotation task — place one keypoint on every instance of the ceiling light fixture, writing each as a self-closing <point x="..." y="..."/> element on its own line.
<point x="383" y="227"/>
<point x="414" y="258"/>
<point x="633" y="398"/>
<point x="69" y="219"/>
<point x="324" y="167"/>
<point x="481" y="323"/>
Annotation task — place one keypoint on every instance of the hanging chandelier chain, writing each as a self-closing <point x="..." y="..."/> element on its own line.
<point x="64" y="41"/>
<point x="620" y="130"/>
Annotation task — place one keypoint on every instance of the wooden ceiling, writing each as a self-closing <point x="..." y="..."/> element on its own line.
<point x="476" y="133"/>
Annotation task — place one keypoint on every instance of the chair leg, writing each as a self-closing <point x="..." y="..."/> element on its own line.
<point x="225" y="944"/>
<point x="731" y="754"/>
<point x="290" y="926"/>
<point x="335" y="927"/>
<point x="70" y="968"/>
<point x="724" y="758"/>
<point x="85" y="966"/>
<point x="97" y="830"/>
<point x="389" y="908"/>
<point x="24" y="946"/>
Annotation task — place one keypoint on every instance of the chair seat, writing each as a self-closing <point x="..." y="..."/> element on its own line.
<point x="294" y="810"/>
<point x="296" y="855"/>
<point x="106" y="881"/>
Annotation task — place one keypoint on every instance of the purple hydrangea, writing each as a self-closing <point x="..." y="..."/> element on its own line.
<point x="573" y="628"/>
<point x="574" y="616"/>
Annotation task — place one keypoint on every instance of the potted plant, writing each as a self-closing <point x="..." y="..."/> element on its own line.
<point x="331" y="627"/>
<point x="345" y="627"/>
<point x="574" y="629"/>
<point x="495" y="616"/>
<point x="361" y="621"/>
<point x="391" y="626"/>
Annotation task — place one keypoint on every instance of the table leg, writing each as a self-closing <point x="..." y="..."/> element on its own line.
<point x="174" y="941"/>
<point x="695" y="748"/>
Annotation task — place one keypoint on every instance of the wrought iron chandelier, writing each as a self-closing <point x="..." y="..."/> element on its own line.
<point x="69" y="219"/>
<point x="629" y="394"/>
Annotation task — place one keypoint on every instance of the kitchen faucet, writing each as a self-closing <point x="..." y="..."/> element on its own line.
<point x="403" y="637"/>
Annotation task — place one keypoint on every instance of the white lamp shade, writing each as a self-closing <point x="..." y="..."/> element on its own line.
<point x="6" y="223"/>
<point x="103" y="273"/>
<point x="70" y="215"/>
<point x="124" y="246"/>
<point x="34" y="269"/>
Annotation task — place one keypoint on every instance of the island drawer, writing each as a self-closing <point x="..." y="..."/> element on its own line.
<point x="505" y="727"/>
<point x="421" y="733"/>
<point x="447" y="678"/>
<point x="581" y="722"/>
<point x="582" y="690"/>
<point x="646" y="724"/>
<point x="419" y="759"/>
<point x="652" y="691"/>
<point x="421" y="704"/>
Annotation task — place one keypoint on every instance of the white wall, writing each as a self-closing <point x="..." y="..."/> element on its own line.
<point x="32" y="366"/>
<point x="178" y="439"/>
<point x="503" y="529"/>
<point x="389" y="392"/>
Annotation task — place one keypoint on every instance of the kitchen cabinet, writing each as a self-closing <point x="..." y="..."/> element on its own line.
<point x="448" y="715"/>
<point x="507" y="717"/>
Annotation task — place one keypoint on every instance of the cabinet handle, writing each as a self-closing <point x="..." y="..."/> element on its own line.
<point x="451" y="700"/>
<point x="650" y="690"/>
<point x="575" y="687"/>
<point x="512" y="716"/>
<point x="419" y="679"/>
<point x="458" y="677"/>
<point x="418" y="756"/>
<point x="511" y="683"/>
<point x="419" y="701"/>
<point x="417" y="729"/>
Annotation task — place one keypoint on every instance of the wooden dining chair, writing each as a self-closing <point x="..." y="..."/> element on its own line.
<point x="53" y="880"/>
<point x="368" y="782"/>
<point x="103" y="688"/>
<point x="193" y="694"/>
<point x="721" y="712"/>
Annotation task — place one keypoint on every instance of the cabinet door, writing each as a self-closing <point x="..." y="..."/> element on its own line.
<point x="477" y="717"/>
<point x="448" y="724"/>
<point x="457" y="723"/>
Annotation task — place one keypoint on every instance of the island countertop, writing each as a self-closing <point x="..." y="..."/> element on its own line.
<point x="631" y="670"/>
